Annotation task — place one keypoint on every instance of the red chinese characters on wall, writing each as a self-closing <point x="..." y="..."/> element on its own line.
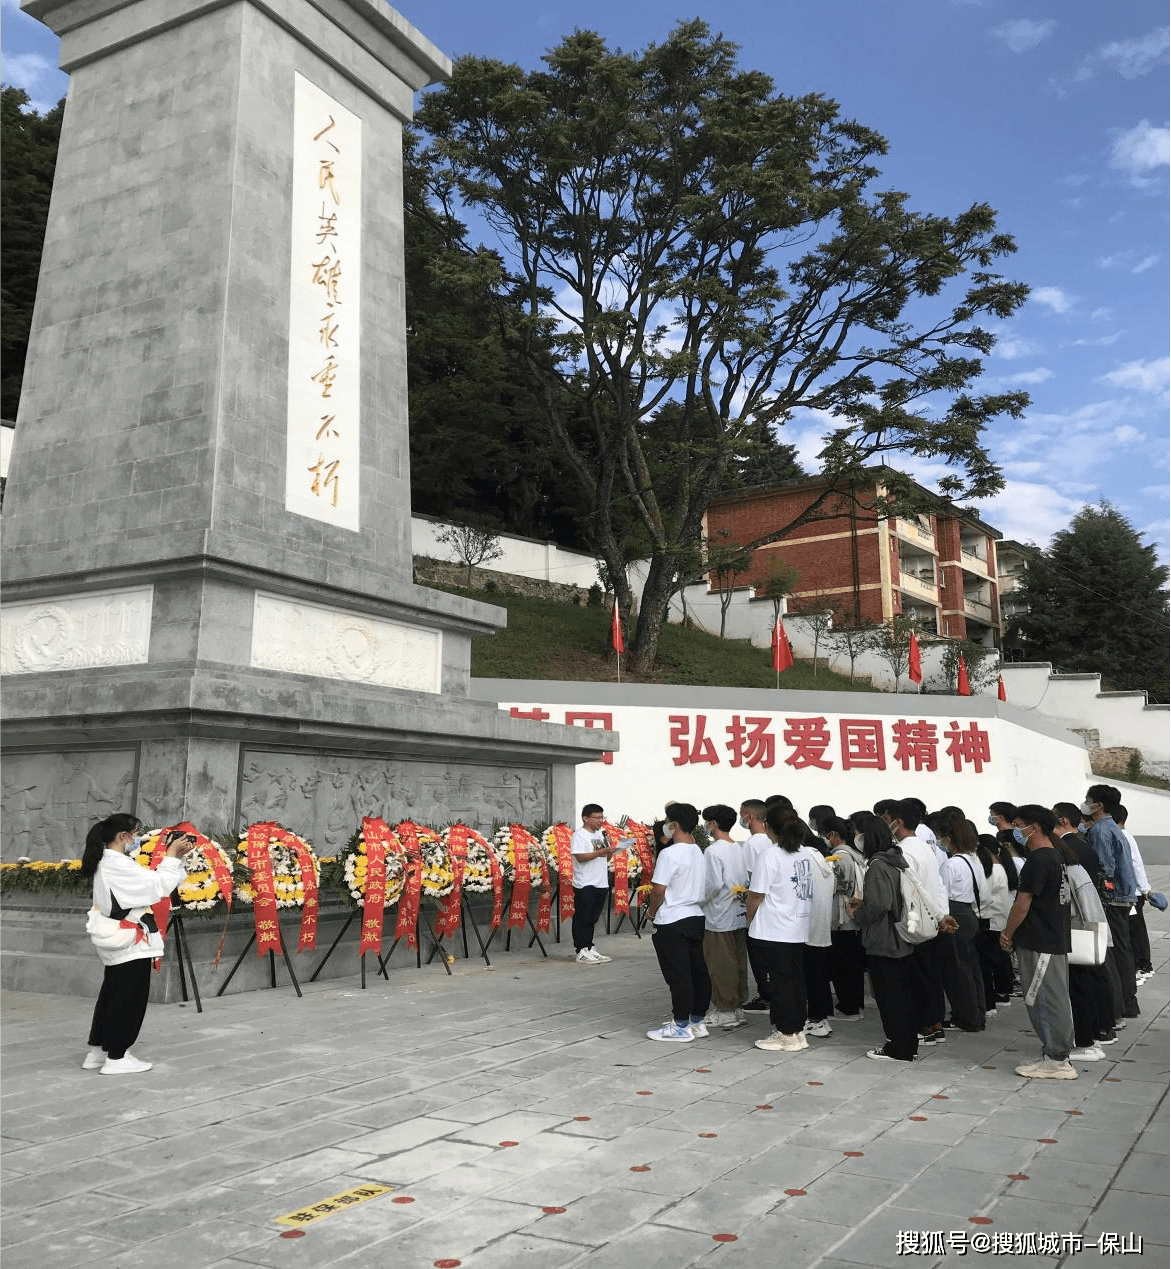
<point x="860" y="744"/>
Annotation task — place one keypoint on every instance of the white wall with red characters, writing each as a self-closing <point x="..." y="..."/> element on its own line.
<point x="847" y="749"/>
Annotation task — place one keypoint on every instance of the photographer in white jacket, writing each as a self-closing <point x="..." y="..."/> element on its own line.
<point x="124" y="890"/>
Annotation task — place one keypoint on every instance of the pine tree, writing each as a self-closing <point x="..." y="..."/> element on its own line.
<point x="1097" y="602"/>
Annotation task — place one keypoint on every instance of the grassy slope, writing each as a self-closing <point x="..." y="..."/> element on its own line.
<point x="547" y="640"/>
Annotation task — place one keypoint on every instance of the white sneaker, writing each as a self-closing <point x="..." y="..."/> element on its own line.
<point x="128" y="1065"/>
<point x="587" y="956"/>
<point x="734" y="1020"/>
<point x="94" y="1060"/>
<point x="672" y="1032"/>
<point x="778" y="1042"/>
<point x="1047" y="1069"/>
<point x="1092" y="1054"/>
<point x="820" y="1028"/>
<point x="599" y="959"/>
<point x="698" y="1030"/>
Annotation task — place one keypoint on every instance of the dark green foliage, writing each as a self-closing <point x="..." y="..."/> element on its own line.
<point x="1097" y="601"/>
<point x="28" y="157"/>
<point x="699" y="256"/>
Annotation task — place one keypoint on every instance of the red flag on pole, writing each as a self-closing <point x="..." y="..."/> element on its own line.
<point x="1001" y="694"/>
<point x="963" y="687"/>
<point x="914" y="664"/>
<point x="782" y="652"/>
<point x="616" y="632"/>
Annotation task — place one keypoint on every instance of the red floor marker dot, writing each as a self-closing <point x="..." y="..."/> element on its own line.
<point x="581" y="1119"/>
<point x="794" y="1193"/>
<point x="703" y="1070"/>
<point x="1113" y="1079"/>
<point x="447" y="1264"/>
<point x="814" y="1083"/>
<point x="1047" y="1141"/>
<point x="1073" y="1112"/>
<point x="553" y="1211"/>
<point x="402" y="1198"/>
<point x="988" y="1068"/>
<point x="1018" y="1176"/>
<point x="940" y="1097"/>
<point x="1130" y="1060"/>
<point x="709" y="1134"/>
<point x="980" y="1220"/>
<point x="642" y="1167"/>
<point x="853" y="1154"/>
<point x="919" y="1119"/>
<point x="292" y="1233"/>
<point x="509" y="1143"/>
<point x="644" y="1092"/>
<point x="765" y="1106"/>
<point x="725" y="1238"/>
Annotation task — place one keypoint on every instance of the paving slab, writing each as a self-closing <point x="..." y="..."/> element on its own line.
<point x="266" y="1103"/>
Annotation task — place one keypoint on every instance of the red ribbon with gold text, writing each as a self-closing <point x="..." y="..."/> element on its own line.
<point x="378" y="840"/>
<point x="307" y="941"/>
<point x="621" y="862"/>
<point x="408" y="905"/>
<point x="563" y="849"/>
<point x="264" y="911"/>
<point x="447" y="922"/>
<point x="497" y="888"/>
<point x="522" y="883"/>
<point x="545" y="902"/>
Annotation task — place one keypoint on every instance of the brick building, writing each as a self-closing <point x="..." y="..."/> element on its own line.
<point x="938" y="567"/>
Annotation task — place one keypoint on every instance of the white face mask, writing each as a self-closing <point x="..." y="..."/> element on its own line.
<point x="744" y="822"/>
<point x="859" y="840"/>
<point x="1087" y="808"/>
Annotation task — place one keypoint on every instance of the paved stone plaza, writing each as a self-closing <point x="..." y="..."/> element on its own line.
<point x="523" y="1120"/>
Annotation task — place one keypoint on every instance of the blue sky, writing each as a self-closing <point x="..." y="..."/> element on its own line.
<point x="1057" y="116"/>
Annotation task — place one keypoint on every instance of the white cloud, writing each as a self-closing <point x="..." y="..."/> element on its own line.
<point x="1141" y="148"/>
<point x="1135" y="57"/>
<point x="1052" y="297"/>
<point x="1030" y="376"/>
<point x="1154" y="491"/>
<point x="1140" y="376"/>
<point x="1147" y="262"/>
<point x="1011" y="347"/>
<point x="1100" y="341"/>
<point x="1030" y="511"/>
<point x="1022" y="34"/>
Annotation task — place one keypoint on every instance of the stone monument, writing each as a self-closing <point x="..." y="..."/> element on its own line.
<point x="209" y="606"/>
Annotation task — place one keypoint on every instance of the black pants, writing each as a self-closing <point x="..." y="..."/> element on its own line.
<point x="1140" y="943"/>
<point x="759" y="970"/>
<point x="847" y="969"/>
<point x="588" y="904"/>
<point x="961" y="968"/>
<point x="1090" y="1004"/>
<point x="121" y="1007"/>
<point x="928" y="981"/>
<point x="1118" y="919"/>
<point x="819" y="999"/>
<point x="786" y="977"/>
<point x="679" y="947"/>
<point x="894" y="981"/>
<point x="995" y="965"/>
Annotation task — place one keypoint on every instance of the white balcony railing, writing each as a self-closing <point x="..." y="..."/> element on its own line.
<point x="921" y="585"/>
<point x="977" y="608"/>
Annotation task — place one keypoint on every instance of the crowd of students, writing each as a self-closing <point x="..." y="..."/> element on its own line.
<point x="812" y="907"/>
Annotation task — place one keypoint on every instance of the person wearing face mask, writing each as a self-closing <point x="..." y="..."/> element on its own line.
<point x="847" y="962"/>
<point x="125" y="890"/>
<point x="675" y="909"/>
<point x="752" y="818"/>
<point x="725" y="938"/>
<point x="1107" y="841"/>
<point x="1039" y="924"/>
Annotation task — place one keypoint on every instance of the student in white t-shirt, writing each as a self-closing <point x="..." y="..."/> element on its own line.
<point x="780" y="902"/>
<point x="675" y="908"/>
<point x="591" y="882"/>
<point x="725" y="941"/>
<point x="752" y="818"/>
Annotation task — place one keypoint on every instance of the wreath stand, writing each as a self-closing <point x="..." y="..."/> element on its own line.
<point x="175" y="922"/>
<point x="271" y="962"/>
<point x="508" y="932"/>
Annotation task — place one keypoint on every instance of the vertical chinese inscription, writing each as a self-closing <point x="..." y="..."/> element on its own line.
<point x="322" y="462"/>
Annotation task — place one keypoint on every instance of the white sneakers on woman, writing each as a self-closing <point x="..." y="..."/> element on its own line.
<point x="127" y="1065"/>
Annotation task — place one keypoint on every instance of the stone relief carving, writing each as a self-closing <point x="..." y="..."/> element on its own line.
<point x="304" y="638"/>
<point x="323" y="798"/>
<point x="76" y="632"/>
<point x="51" y="800"/>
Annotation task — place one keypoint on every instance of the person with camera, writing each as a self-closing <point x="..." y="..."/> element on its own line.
<point x="124" y="892"/>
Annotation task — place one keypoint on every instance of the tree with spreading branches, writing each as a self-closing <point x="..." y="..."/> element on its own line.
<point x="698" y="257"/>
